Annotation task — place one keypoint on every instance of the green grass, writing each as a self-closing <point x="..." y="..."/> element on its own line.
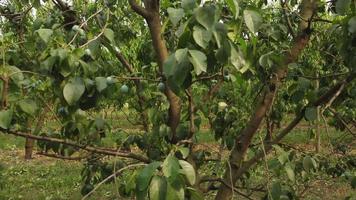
<point x="8" y="142"/>
<point x="44" y="179"/>
<point x="41" y="178"/>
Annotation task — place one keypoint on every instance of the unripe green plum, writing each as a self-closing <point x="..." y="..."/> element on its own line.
<point x="161" y="87"/>
<point x="124" y="89"/>
<point x="87" y="52"/>
<point x="75" y="28"/>
<point x="62" y="111"/>
<point x="222" y="105"/>
<point x="110" y="80"/>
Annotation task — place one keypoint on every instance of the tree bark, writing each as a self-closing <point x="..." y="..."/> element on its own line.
<point x="4" y="95"/>
<point x="317" y="122"/>
<point x="242" y="143"/>
<point x="29" y="148"/>
<point x="30" y="142"/>
<point x="153" y="19"/>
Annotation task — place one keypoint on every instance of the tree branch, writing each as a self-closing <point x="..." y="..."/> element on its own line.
<point x="80" y="146"/>
<point x="337" y="115"/>
<point x="285" y="14"/>
<point x="191" y="111"/>
<point x="268" y="145"/>
<point x="61" y="157"/>
<point x="139" y="9"/>
<point x="110" y="177"/>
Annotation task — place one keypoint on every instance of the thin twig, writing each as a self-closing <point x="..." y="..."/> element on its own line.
<point x="208" y="77"/>
<point x="111" y="176"/>
<point x="100" y="34"/>
<point x="285" y="14"/>
<point x="62" y="157"/>
<point x="137" y="78"/>
<point x="266" y="165"/>
<point x="25" y="72"/>
<point x="82" y="24"/>
<point x="337" y="115"/>
<point x="227" y="185"/>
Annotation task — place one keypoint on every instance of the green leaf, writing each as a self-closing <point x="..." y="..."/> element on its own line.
<point x="276" y="190"/>
<point x="158" y="188"/>
<point x="181" y="55"/>
<point x="290" y="172"/>
<point x="283" y="157"/>
<point x="28" y="106"/>
<point x="45" y="34"/>
<point x="36" y="3"/>
<point x="169" y="65"/>
<point x="110" y="35"/>
<point x="170" y="167"/>
<point x="47" y="64"/>
<point x="194" y="194"/>
<point x="101" y="83"/>
<point x="73" y="90"/>
<point x="94" y="47"/>
<point x="265" y="61"/>
<point x="175" y="15"/>
<point x="5" y="118"/>
<point x="175" y="191"/>
<point x="311" y="113"/>
<point x="201" y="36"/>
<point x="181" y="71"/>
<point x="184" y="151"/>
<point x="253" y="20"/>
<point x="342" y="6"/>
<point x="188" y="4"/>
<point x="206" y="16"/>
<point x="309" y="163"/>
<point x="352" y="25"/>
<point x="234" y="7"/>
<point x="188" y="171"/>
<point x="144" y="177"/>
<point x="199" y="61"/>
<point x="303" y="83"/>
<point x="236" y="58"/>
<point x="16" y="74"/>
<point x="176" y="68"/>
<point x="224" y="52"/>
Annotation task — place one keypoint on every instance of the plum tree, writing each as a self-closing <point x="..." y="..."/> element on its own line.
<point x="227" y="65"/>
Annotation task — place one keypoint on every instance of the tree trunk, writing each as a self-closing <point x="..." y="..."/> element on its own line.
<point x="29" y="141"/>
<point x="317" y="122"/>
<point x="5" y="89"/>
<point x="242" y="143"/>
<point x="161" y="50"/>
<point x="29" y="148"/>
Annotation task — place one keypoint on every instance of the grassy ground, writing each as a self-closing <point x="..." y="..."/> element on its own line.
<point x="41" y="178"/>
<point x="45" y="178"/>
